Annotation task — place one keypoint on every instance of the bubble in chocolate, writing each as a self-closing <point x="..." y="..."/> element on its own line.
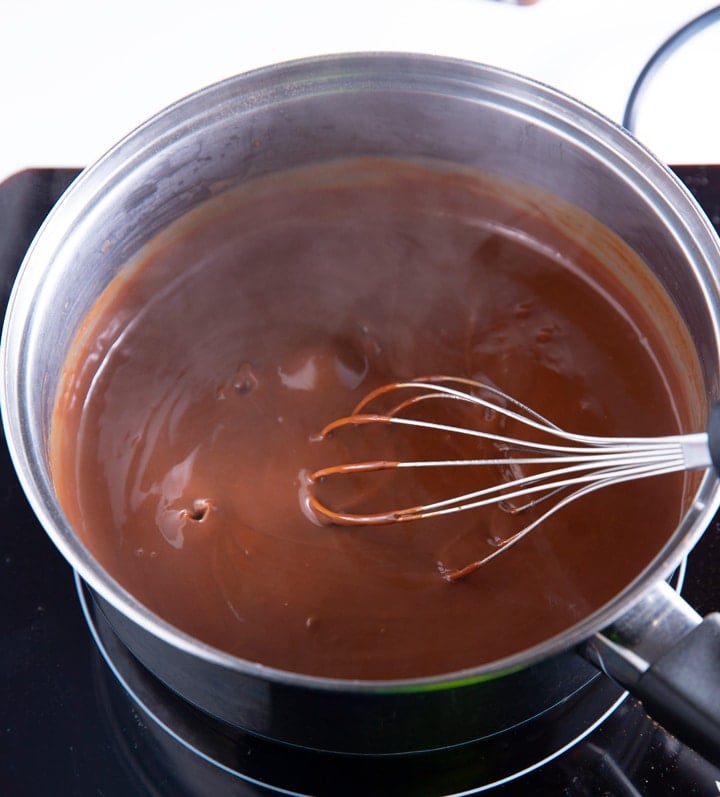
<point x="246" y="380"/>
<point x="523" y="309"/>
<point x="199" y="510"/>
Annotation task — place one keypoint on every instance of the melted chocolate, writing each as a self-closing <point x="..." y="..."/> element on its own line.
<point x="189" y="414"/>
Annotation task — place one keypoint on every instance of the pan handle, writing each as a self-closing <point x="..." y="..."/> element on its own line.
<point x="666" y="655"/>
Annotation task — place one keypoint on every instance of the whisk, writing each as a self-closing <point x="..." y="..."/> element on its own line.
<point x="564" y="466"/>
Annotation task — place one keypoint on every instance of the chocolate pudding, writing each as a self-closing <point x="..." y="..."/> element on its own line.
<point x="188" y="416"/>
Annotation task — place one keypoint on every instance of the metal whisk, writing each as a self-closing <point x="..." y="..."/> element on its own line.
<point x="562" y="465"/>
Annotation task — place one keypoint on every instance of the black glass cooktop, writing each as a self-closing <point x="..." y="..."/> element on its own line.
<point x="69" y="727"/>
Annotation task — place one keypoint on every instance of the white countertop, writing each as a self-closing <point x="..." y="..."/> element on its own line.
<point x="76" y="76"/>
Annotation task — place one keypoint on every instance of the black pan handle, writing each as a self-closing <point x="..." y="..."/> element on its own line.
<point x="713" y="433"/>
<point x="666" y="655"/>
<point x="681" y="690"/>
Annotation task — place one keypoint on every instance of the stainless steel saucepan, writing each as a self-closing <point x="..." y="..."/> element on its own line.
<point x="409" y="106"/>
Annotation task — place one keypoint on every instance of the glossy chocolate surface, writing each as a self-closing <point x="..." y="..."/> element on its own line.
<point x="196" y="388"/>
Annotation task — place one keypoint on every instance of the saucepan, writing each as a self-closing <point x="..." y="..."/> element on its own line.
<point x="409" y="106"/>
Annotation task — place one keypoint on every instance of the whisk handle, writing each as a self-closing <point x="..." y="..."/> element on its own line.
<point x="713" y="433"/>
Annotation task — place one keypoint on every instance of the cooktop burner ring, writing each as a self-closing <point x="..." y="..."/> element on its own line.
<point x="208" y="739"/>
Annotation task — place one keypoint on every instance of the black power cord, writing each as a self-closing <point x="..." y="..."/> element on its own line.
<point x="666" y="49"/>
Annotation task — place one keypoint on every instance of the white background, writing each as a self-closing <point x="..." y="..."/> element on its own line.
<point x="77" y="75"/>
